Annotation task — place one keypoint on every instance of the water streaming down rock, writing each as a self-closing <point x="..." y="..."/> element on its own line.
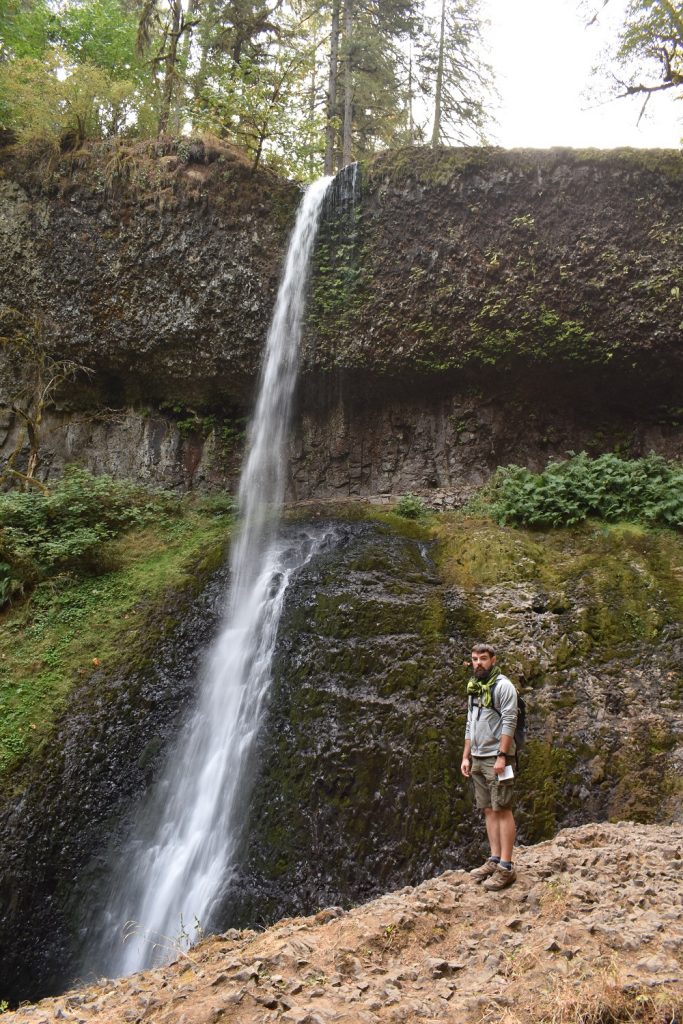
<point x="176" y="869"/>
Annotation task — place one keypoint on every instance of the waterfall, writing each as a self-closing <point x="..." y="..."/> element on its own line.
<point x="175" y="870"/>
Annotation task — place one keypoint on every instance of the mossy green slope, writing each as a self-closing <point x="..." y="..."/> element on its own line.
<point x="74" y="626"/>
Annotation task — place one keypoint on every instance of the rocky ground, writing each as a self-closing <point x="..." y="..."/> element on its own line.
<point x="592" y="932"/>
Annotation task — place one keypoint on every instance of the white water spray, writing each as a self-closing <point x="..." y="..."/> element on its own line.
<point x="177" y="874"/>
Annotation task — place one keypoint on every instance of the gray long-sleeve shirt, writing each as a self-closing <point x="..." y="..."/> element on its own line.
<point x="485" y="726"/>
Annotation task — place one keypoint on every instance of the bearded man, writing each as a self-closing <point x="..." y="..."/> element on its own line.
<point x="488" y="759"/>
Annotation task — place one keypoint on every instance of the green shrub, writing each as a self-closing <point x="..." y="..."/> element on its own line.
<point x="46" y="99"/>
<point x="218" y="505"/>
<point x="42" y="535"/>
<point x="648" y="490"/>
<point x="410" y="507"/>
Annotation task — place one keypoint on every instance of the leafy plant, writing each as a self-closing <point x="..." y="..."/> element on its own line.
<point x="50" y="99"/>
<point x="648" y="490"/>
<point x="410" y="506"/>
<point x="42" y="535"/>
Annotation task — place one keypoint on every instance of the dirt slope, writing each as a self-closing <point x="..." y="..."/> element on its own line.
<point x="591" y="932"/>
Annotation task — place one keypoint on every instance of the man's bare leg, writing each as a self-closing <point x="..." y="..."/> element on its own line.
<point x="501" y="831"/>
<point x="492" y="830"/>
<point x="504" y="825"/>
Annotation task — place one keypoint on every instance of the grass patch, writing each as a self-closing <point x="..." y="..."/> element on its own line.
<point x="361" y="511"/>
<point x="73" y="624"/>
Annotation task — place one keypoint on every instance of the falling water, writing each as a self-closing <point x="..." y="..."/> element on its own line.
<point x="177" y="868"/>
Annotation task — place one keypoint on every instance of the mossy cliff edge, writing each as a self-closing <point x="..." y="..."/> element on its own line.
<point x="468" y="307"/>
<point x="358" y="787"/>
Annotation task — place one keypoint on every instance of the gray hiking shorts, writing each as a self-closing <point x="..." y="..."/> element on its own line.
<point x="488" y="791"/>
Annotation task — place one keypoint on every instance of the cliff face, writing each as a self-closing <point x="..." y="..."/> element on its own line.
<point x="357" y="786"/>
<point x="155" y="266"/>
<point x="468" y="307"/>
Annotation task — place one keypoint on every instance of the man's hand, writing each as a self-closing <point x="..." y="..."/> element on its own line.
<point x="466" y="767"/>
<point x="499" y="765"/>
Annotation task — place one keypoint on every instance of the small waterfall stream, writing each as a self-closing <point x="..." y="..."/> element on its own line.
<point x="177" y="867"/>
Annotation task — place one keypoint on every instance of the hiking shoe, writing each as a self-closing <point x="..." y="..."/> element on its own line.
<point x="485" y="871"/>
<point x="500" y="879"/>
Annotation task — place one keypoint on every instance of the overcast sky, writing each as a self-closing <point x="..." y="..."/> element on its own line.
<point x="542" y="54"/>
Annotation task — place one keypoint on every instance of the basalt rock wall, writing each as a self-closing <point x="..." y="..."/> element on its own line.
<point x="467" y="307"/>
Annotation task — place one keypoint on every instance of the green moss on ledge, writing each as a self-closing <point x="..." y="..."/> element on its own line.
<point x="72" y="627"/>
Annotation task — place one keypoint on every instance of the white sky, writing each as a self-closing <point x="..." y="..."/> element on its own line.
<point x="542" y="55"/>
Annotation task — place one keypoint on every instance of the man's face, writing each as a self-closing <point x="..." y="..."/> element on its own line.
<point x="482" y="663"/>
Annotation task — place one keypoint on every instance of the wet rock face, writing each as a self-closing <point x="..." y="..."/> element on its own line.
<point x="57" y="836"/>
<point x="359" y="787"/>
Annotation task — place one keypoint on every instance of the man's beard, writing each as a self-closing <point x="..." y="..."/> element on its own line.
<point x="482" y="674"/>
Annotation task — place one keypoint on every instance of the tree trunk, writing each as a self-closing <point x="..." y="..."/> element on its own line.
<point x="312" y="97"/>
<point x="438" y="92"/>
<point x="170" y="64"/>
<point x="411" y="123"/>
<point x="330" y="131"/>
<point x="184" y="52"/>
<point x="348" y="84"/>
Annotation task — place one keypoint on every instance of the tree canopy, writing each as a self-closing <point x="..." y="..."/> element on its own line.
<point x="301" y="84"/>
<point x="647" y="56"/>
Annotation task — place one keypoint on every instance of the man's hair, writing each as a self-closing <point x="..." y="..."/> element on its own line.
<point x="484" y="649"/>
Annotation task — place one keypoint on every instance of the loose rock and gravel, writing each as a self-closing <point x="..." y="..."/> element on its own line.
<point x="591" y="932"/>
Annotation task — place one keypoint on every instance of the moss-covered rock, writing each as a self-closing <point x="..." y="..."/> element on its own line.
<point x="360" y="789"/>
<point x="490" y="259"/>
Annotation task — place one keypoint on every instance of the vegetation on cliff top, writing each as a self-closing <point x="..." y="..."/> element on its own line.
<point x="300" y="86"/>
<point x="439" y="166"/>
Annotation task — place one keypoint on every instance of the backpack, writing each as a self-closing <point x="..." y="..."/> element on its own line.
<point x="520" y="727"/>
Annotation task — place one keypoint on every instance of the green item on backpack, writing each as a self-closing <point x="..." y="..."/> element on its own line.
<point x="476" y="688"/>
